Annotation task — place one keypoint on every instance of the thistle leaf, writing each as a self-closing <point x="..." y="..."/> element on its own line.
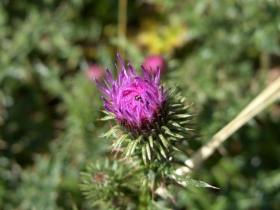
<point x="189" y="181"/>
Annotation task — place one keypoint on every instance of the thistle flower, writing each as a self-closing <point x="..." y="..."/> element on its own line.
<point x="154" y="61"/>
<point x="151" y="120"/>
<point x="94" y="71"/>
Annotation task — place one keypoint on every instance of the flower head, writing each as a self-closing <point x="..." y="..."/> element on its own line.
<point x="151" y="120"/>
<point x="133" y="98"/>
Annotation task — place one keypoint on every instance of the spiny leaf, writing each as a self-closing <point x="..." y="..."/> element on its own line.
<point x="189" y="181"/>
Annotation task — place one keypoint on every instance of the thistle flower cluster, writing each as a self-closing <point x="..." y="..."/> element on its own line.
<point x="152" y="120"/>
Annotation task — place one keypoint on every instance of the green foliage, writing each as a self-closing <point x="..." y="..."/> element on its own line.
<point x="218" y="54"/>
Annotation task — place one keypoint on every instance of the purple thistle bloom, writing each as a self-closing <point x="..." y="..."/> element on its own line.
<point x="94" y="71"/>
<point x="152" y="120"/>
<point x="153" y="61"/>
<point x="133" y="98"/>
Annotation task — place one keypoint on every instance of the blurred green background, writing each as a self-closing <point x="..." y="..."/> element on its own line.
<point x="221" y="54"/>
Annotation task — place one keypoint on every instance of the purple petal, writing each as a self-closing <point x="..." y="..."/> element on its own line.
<point x="157" y="76"/>
<point x="110" y="77"/>
<point x="151" y="98"/>
<point x="128" y="115"/>
<point x="121" y="62"/>
<point x="151" y="72"/>
<point x="146" y="75"/>
<point x="121" y="77"/>
<point x="106" y="83"/>
<point x="109" y="109"/>
<point x="101" y="88"/>
<point x="105" y="100"/>
<point x="138" y="113"/>
<point x="131" y="69"/>
<point x="165" y="94"/>
<point x="116" y="94"/>
<point x="149" y="111"/>
<point x="117" y="67"/>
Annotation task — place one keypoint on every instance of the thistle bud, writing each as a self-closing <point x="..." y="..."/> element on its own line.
<point x="103" y="183"/>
